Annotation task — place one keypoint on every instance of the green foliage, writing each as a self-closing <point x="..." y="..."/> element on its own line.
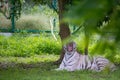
<point x="28" y="45"/>
<point x="15" y="8"/>
<point x="38" y="9"/>
<point x="42" y="1"/>
<point x="87" y="13"/>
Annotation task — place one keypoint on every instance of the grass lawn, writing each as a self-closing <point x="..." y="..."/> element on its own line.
<point x="42" y="68"/>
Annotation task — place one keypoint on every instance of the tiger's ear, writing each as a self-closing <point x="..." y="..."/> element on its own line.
<point x="65" y="47"/>
<point x="74" y="46"/>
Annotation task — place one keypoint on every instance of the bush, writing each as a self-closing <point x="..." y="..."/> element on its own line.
<point x="18" y="45"/>
<point x="24" y="45"/>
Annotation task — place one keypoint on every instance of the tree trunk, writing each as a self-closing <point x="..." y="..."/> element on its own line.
<point x="86" y="50"/>
<point x="63" y="27"/>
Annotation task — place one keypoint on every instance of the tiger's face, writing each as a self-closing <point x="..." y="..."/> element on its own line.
<point x="70" y="48"/>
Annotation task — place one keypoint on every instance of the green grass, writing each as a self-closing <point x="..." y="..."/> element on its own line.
<point x="43" y="69"/>
<point x="38" y="74"/>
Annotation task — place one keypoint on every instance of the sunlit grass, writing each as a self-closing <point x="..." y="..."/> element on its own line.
<point x="32" y="59"/>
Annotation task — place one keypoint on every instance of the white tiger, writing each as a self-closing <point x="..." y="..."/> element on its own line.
<point x="74" y="61"/>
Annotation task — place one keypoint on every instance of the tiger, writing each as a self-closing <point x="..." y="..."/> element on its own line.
<point x="73" y="61"/>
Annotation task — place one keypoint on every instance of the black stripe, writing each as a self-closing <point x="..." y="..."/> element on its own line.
<point x="86" y="64"/>
<point x="74" y="63"/>
<point x="69" y="61"/>
<point x="64" y="64"/>
<point x="71" y="64"/>
<point x="101" y="63"/>
<point x="69" y="57"/>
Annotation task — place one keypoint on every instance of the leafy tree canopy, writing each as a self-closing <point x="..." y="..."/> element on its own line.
<point x="97" y="16"/>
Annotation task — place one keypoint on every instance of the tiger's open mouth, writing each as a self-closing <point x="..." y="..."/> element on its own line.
<point x="69" y="53"/>
<point x="70" y="50"/>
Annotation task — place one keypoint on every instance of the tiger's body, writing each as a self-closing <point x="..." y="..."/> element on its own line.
<point x="78" y="61"/>
<point x="74" y="61"/>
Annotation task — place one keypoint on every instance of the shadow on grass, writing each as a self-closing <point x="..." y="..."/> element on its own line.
<point x="45" y="66"/>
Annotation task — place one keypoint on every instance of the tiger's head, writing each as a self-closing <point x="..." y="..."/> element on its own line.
<point x="70" y="48"/>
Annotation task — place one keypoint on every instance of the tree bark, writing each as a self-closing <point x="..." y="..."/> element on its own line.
<point x="63" y="27"/>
